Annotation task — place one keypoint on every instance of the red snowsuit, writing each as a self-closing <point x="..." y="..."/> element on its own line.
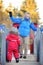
<point x="14" y="42"/>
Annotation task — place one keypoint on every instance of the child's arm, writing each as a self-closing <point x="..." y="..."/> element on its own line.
<point x="8" y="38"/>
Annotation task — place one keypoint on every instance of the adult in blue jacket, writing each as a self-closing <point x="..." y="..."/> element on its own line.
<point x="24" y="31"/>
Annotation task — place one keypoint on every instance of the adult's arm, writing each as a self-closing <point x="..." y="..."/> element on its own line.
<point x="33" y="27"/>
<point x="13" y="19"/>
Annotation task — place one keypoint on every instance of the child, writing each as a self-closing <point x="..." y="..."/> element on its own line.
<point x="13" y="45"/>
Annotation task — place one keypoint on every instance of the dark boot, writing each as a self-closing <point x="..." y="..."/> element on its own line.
<point x="17" y="60"/>
<point x="20" y="55"/>
<point x="24" y="57"/>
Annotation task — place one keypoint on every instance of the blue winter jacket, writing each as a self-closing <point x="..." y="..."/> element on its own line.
<point x="25" y="25"/>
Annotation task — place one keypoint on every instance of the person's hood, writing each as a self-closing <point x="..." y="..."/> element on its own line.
<point x="12" y="36"/>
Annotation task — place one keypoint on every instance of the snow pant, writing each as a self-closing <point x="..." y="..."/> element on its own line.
<point x="14" y="51"/>
<point x="25" y="42"/>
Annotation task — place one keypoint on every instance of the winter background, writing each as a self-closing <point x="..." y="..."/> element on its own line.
<point x="17" y="4"/>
